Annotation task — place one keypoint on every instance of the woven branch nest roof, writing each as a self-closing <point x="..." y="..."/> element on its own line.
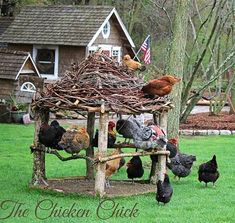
<point x="99" y="84"/>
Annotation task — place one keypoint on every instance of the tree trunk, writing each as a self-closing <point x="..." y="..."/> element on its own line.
<point x="102" y="151"/>
<point x="176" y="63"/>
<point x="233" y="87"/>
<point x="90" y="150"/>
<point x="39" y="175"/>
<point x="159" y="169"/>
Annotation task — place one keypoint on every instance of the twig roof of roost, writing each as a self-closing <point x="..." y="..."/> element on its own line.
<point x="95" y="81"/>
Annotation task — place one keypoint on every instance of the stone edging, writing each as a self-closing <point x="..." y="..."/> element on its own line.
<point x="189" y="132"/>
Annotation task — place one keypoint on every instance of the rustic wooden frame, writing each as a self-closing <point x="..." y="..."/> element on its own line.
<point x="77" y="91"/>
<point x="39" y="174"/>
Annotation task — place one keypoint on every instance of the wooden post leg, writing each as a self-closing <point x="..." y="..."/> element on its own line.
<point x="90" y="150"/>
<point x="163" y="121"/>
<point x="156" y="119"/>
<point x="102" y="150"/>
<point x="153" y="174"/>
<point x="160" y="168"/>
<point x="39" y="173"/>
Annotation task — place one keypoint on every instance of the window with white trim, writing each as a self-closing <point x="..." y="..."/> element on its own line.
<point x="28" y="87"/>
<point x="113" y="51"/>
<point x="92" y="49"/>
<point x="46" y="59"/>
<point x="116" y="53"/>
<point x="106" y="30"/>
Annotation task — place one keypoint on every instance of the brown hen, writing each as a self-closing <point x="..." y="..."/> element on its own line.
<point x="75" y="139"/>
<point x="112" y="166"/>
<point x="161" y="86"/>
<point x="132" y="64"/>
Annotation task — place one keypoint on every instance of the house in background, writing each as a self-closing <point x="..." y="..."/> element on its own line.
<point x="58" y="36"/>
<point x="19" y="77"/>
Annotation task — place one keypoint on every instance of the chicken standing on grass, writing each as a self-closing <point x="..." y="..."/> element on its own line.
<point x="74" y="140"/>
<point x="132" y="64"/>
<point x="208" y="172"/>
<point x="164" y="190"/>
<point x="112" y="166"/>
<point x="50" y="135"/>
<point x="135" y="168"/>
<point x="181" y="164"/>
<point x="160" y="87"/>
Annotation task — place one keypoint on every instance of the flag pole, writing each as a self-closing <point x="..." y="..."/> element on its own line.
<point x="140" y="47"/>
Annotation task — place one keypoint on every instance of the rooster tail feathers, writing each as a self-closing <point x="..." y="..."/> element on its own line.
<point x="214" y="158"/>
<point x="214" y="161"/>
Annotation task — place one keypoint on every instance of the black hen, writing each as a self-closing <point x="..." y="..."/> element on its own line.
<point x="111" y="136"/>
<point x="181" y="164"/>
<point x="171" y="146"/>
<point x="50" y="135"/>
<point x="111" y="139"/>
<point x="208" y="172"/>
<point x="135" y="168"/>
<point x="164" y="190"/>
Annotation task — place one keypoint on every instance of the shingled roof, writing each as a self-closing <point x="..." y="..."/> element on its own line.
<point x="11" y="63"/>
<point x="4" y="23"/>
<point x="60" y="25"/>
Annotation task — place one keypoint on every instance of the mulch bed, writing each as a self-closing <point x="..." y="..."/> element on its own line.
<point x="80" y="185"/>
<point x="224" y="121"/>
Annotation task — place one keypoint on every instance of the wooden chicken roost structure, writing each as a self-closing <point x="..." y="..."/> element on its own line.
<point x="97" y="85"/>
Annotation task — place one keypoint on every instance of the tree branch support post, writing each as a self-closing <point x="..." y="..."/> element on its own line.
<point x="154" y="163"/>
<point x="102" y="151"/>
<point x="90" y="150"/>
<point x="159" y="169"/>
<point x="39" y="174"/>
<point x="162" y="158"/>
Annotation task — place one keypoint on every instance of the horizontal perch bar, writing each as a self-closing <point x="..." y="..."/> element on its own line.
<point x="105" y="159"/>
<point x="53" y="151"/>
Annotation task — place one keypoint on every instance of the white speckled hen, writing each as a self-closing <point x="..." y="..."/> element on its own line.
<point x="128" y="128"/>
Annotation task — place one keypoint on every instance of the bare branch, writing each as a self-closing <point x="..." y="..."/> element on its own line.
<point x="143" y="153"/>
<point x="165" y="11"/>
<point x="218" y="72"/>
<point x="56" y="153"/>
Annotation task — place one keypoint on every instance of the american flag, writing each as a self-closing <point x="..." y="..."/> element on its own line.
<point x="145" y="47"/>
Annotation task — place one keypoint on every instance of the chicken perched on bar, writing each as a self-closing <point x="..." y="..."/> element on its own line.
<point x="160" y="87"/>
<point x="50" y="135"/>
<point x="75" y="139"/>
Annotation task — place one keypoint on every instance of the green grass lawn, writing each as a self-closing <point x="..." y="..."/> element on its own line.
<point x="191" y="201"/>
